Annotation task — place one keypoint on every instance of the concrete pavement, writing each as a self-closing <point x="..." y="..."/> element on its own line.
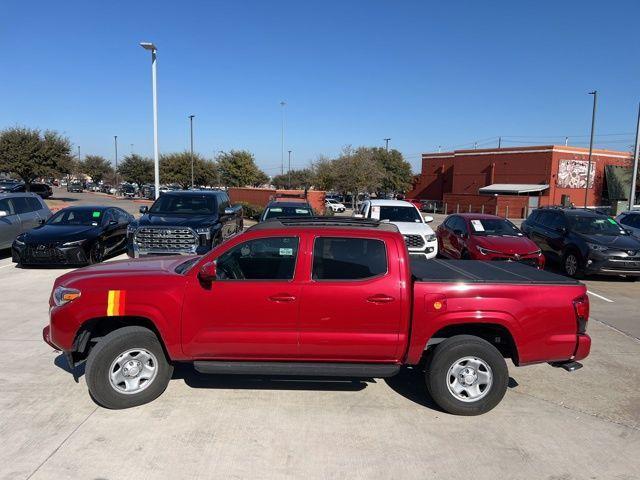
<point x="551" y="424"/>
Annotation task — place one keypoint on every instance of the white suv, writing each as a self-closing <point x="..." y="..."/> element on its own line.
<point x="334" y="205"/>
<point x="419" y="237"/>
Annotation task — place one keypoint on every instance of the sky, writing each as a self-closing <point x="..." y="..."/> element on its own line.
<point x="423" y="73"/>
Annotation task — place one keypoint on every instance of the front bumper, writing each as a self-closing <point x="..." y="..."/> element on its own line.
<point x="533" y="260"/>
<point x="48" y="255"/>
<point x="613" y="264"/>
<point x="430" y="250"/>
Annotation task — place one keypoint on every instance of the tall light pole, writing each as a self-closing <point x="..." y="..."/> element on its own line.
<point x="289" y="181"/>
<point x="115" y="144"/>
<point x="634" y="170"/>
<point x="593" y="126"/>
<point x="191" y="129"/>
<point x="79" y="157"/>
<point x="386" y="146"/>
<point x="282" y="104"/>
<point x="156" y="164"/>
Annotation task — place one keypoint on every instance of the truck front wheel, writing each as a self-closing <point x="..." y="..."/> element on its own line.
<point x="466" y="375"/>
<point x="127" y="368"/>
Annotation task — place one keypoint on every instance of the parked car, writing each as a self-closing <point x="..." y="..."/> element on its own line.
<point x="8" y="185"/>
<point x="20" y="212"/>
<point x="75" y="186"/>
<point x="184" y="222"/>
<point x="277" y="209"/>
<point x="328" y="297"/>
<point x="41" y="189"/>
<point x="418" y="235"/>
<point x="474" y="236"/>
<point x="584" y="242"/>
<point x="106" y="188"/>
<point x="334" y="205"/>
<point x="74" y="236"/>
<point x="631" y="221"/>
<point x="128" y="190"/>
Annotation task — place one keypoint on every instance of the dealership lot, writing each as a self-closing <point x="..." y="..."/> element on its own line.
<point x="552" y="424"/>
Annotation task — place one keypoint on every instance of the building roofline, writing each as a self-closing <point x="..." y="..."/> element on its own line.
<point x="528" y="149"/>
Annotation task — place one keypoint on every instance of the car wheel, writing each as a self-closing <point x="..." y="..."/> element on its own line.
<point x="571" y="264"/>
<point x="96" y="254"/>
<point x="127" y="368"/>
<point x="466" y="375"/>
<point x="465" y="255"/>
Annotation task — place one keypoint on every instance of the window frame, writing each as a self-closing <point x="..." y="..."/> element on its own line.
<point x="261" y="280"/>
<point x="350" y="280"/>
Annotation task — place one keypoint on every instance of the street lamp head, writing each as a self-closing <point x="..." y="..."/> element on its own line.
<point x="593" y="93"/>
<point x="148" y="46"/>
<point x="191" y="116"/>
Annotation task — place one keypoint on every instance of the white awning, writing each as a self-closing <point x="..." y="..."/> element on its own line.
<point x="513" y="188"/>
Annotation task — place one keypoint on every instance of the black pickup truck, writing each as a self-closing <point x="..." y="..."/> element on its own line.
<point x="184" y="223"/>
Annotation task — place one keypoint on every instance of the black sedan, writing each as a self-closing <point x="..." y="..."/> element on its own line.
<point x="74" y="236"/>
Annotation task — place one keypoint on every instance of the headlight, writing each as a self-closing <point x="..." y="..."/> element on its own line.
<point x="62" y="295"/>
<point x="19" y="241"/>
<point x="486" y="251"/>
<point x="596" y="247"/>
<point x="204" y="231"/>
<point x="75" y="243"/>
<point x="431" y="238"/>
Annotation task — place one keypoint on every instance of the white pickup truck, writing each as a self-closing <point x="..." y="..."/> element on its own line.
<point x="419" y="237"/>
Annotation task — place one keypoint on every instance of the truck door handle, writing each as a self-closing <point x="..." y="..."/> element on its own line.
<point x="283" y="297"/>
<point x="380" y="298"/>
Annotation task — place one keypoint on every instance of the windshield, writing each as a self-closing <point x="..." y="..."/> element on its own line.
<point x="595" y="225"/>
<point x="399" y="214"/>
<point x="275" y="212"/>
<point x="76" y="217"/>
<point x="494" y="226"/>
<point x="185" y="204"/>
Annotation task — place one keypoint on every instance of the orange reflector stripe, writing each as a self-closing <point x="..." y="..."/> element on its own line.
<point x="115" y="303"/>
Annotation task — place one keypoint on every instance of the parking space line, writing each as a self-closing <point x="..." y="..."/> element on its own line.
<point x="600" y="296"/>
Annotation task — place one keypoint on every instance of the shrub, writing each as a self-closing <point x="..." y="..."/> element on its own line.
<point x="250" y="211"/>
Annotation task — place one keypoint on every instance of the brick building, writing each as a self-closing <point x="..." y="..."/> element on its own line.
<point x="520" y="177"/>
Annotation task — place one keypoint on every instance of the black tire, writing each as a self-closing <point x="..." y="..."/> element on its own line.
<point x="105" y="353"/>
<point x="446" y="355"/>
<point x="465" y="255"/>
<point x="568" y="268"/>
<point x="96" y="253"/>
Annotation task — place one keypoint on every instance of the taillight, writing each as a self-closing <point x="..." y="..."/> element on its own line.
<point x="581" y="307"/>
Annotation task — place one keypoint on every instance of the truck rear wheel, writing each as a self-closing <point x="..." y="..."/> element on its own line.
<point x="466" y="375"/>
<point x="127" y="368"/>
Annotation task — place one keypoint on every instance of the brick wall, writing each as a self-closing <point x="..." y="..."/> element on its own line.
<point x="260" y="197"/>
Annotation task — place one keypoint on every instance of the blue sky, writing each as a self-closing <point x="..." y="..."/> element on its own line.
<point x="352" y="72"/>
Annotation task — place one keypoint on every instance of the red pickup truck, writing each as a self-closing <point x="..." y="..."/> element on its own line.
<point x="317" y="297"/>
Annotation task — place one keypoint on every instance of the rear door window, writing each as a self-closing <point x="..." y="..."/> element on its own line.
<point x="34" y="203"/>
<point x="348" y="258"/>
<point x="22" y="205"/>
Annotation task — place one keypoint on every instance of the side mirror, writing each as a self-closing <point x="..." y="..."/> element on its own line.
<point x="40" y="221"/>
<point x="3" y="213"/>
<point x="428" y="218"/>
<point x="207" y="272"/>
<point x="358" y="215"/>
<point x="144" y="209"/>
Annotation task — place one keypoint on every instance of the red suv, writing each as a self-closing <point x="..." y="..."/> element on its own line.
<point x="476" y="236"/>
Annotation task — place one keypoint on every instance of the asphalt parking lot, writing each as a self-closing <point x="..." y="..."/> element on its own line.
<point x="551" y="424"/>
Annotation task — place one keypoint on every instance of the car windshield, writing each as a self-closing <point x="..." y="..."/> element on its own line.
<point x="398" y="214"/>
<point x="592" y="225"/>
<point x="494" y="226"/>
<point x="275" y="212"/>
<point x="76" y="217"/>
<point x="185" y="205"/>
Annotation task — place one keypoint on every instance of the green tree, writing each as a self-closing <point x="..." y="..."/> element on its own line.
<point x="30" y="154"/>
<point x="176" y="168"/>
<point x="238" y="169"/>
<point x="324" y="174"/>
<point x="356" y="171"/>
<point x="397" y="176"/>
<point x="96" y="167"/>
<point x="136" y="169"/>
<point x="299" y="179"/>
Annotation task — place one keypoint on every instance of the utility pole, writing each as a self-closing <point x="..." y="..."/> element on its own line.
<point x="156" y="162"/>
<point x="566" y="141"/>
<point x="386" y="141"/>
<point x="282" y="104"/>
<point x="499" y="142"/>
<point x="191" y="129"/>
<point x="115" y="143"/>
<point x="131" y="148"/>
<point x="79" y="157"/>
<point x="475" y="145"/>
<point x="289" y="181"/>
<point x="593" y="126"/>
<point x="634" y="174"/>
<point x="439" y="148"/>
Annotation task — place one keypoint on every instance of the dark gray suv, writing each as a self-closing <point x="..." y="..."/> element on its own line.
<point x="20" y="212"/>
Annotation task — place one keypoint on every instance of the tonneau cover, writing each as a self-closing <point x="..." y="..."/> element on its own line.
<point x="475" y="271"/>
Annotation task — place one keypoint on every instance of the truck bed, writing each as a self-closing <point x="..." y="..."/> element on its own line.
<point x="475" y="271"/>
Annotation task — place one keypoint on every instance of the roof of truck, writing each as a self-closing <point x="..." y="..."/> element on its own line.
<point x="324" y="222"/>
